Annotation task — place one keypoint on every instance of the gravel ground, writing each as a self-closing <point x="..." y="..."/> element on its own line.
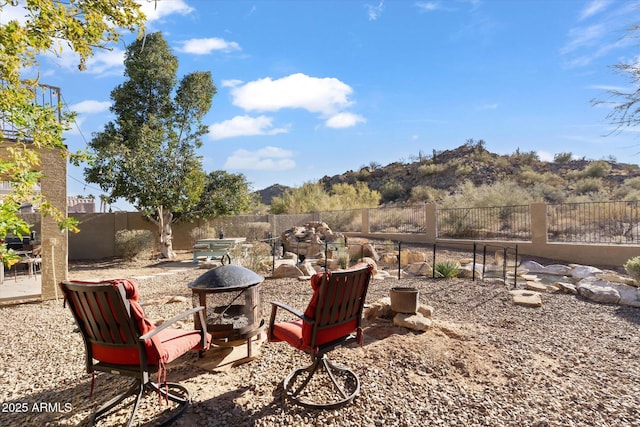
<point x="485" y="362"/>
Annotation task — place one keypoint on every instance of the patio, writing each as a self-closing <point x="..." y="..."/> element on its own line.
<point x="485" y="362"/>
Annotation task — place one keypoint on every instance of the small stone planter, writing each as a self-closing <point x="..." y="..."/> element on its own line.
<point x="404" y="299"/>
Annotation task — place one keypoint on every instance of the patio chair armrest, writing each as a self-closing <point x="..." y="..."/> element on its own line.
<point x="170" y="322"/>
<point x="274" y="308"/>
<point x="275" y="305"/>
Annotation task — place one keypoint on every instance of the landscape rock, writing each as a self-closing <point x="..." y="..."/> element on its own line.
<point x="526" y="298"/>
<point x="566" y="287"/>
<point x="426" y="310"/>
<point x="533" y="267"/>
<point x="287" y="270"/>
<point x="416" y="321"/>
<point x="598" y="291"/>
<point x="420" y="269"/>
<point x="583" y="271"/>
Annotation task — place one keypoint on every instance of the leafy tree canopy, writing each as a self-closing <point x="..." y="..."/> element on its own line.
<point x="48" y="26"/>
<point x="147" y="155"/>
<point x="224" y="194"/>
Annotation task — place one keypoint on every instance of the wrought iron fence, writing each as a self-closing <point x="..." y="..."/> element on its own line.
<point x="500" y="223"/>
<point x="410" y="219"/>
<point x="594" y="222"/>
<point x="344" y="221"/>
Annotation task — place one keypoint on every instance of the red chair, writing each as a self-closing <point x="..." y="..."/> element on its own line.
<point x="121" y="341"/>
<point x="331" y="320"/>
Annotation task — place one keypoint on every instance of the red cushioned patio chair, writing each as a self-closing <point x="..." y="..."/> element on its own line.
<point x="121" y="341"/>
<point x="331" y="320"/>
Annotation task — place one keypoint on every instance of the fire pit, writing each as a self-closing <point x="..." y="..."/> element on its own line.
<point x="231" y="297"/>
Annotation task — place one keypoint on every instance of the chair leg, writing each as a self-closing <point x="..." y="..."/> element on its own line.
<point x="182" y="401"/>
<point x="341" y="394"/>
<point x="139" y="389"/>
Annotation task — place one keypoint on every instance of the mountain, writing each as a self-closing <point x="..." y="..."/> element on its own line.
<point x="265" y="195"/>
<point x="441" y="174"/>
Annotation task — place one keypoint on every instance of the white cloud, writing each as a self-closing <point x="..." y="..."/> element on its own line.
<point x="428" y="6"/>
<point x="90" y="107"/>
<point x="580" y="37"/>
<point x="374" y="11"/>
<point x="267" y="158"/>
<point x="593" y="8"/>
<point x="318" y="95"/>
<point x="545" y="156"/>
<point x="344" y="120"/>
<point x="206" y="46"/>
<point x="156" y="10"/>
<point x="106" y="62"/>
<point x="603" y="35"/>
<point x="231" y="83"/>
<point x="244" y="126"/>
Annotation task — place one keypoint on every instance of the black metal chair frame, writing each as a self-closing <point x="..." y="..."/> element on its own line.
<point x="89" y="298"/>
<point x="357" y="283"/>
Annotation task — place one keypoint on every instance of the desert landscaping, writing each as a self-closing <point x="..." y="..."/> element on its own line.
<point x="483" y="361"/>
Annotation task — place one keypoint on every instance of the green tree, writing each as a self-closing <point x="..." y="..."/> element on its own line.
<point x="83" y="26"/>
<point x="312" y="197"/>
<point x="147" y="155"/>
<point x="224" y="194"/>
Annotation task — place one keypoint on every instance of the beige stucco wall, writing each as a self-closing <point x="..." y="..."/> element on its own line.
<point x="54" y="242"/>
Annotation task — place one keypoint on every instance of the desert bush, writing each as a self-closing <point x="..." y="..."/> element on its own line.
<point x="501" y="193"/>
<point x="425" y="170"/>
<point x="525" y="157"/>
<point x="633" y="183"/>
<point x="134" y="243"/>
<point x="312" y="197"/>
<point x="343" y="220"/>
<point x="463" y="169"/>
<point x="597" y="169"/>
<point x="257" y="258"/>
<point x="529" y="176"/>
<point x="363" y="174"/>
<point x="562" y="157"/>
<point x="425" y="193"/>
<point x="391" y="191"/>
<point x="632" y="267"/>
<point x="550" y="193"/>
<point x="446" y="269"/>
<point x="588" y="185"/>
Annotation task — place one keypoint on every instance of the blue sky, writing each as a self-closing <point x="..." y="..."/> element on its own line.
<point x="314" y="88"/>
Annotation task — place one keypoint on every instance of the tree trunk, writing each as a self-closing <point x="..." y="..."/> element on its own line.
<point x="166" y="237"/>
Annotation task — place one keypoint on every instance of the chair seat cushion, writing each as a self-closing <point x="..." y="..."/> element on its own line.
<point x="294" y="333"/>
<point x="290" y="332"/>
<point x="173" y="344"/>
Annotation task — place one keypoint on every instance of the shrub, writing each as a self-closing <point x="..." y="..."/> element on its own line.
<point x="134" y="243"/>
<point x="425" y="193"/>
<point x="463" y="169"/>
<point x="632" y="267"/>
<point x="597" y="169"/>
<point x="425" y="170"/>
<point x="562" y="157"/>
<point x="446" y="270"/>
<point x="633" y="183"/>
<point x="588" y="185"/>
<point x="391" y="191"/>
<point x="257" y="258"/>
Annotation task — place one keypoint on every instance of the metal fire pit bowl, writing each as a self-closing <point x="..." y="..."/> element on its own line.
<point x="226" y="278"/>
<point x="231" y="297"/>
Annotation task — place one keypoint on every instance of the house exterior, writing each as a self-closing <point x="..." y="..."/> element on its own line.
<point x="53" y="186"/>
